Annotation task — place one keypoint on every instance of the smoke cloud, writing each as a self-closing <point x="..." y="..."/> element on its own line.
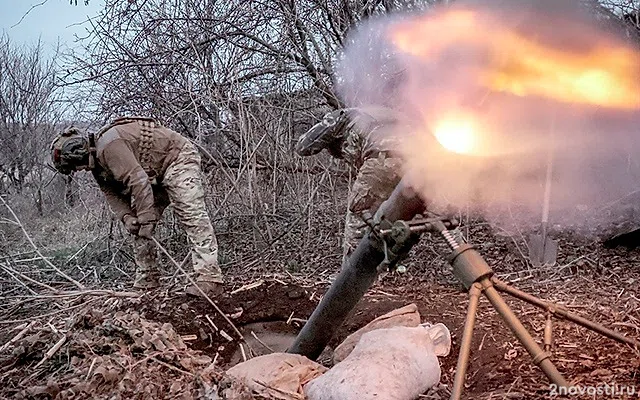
<point x="499" y="90"/>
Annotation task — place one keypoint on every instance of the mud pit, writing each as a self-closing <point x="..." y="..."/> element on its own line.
<point x="499" y="368"/>
<point x="265" y="310"/>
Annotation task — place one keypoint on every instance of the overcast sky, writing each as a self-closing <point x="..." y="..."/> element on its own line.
<point x="53" y="20"/>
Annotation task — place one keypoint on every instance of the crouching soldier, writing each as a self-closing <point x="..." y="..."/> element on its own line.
<point x="367" y="139"/>
<point x="142" y="167"/>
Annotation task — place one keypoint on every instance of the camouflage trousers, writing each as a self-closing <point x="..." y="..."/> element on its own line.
<point x="182" y="187"/>
<point x="374" y="183"/>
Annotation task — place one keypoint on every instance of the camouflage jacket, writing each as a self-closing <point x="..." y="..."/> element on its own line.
<point x="132" y="154"/>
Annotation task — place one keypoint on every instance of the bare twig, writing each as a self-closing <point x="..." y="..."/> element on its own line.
<point x="52" y="350"/>
<point x="193" y="282"/>
<point x="35" y="248"/>
<point x="43" y="2"/>
<point x="261" y="342"/>
<point x="17" y="337"/>
<point x="35" y="282"/>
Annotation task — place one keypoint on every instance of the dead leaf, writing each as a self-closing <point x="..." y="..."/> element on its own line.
<point x="511" y="354"/>
<point x="192" y="363"/>
<point x="600" y="372"/>
<point x="586" y="363"/>
<point x="176" y="387"/>
<point x="52" y="389"/>
<point x="108" y="374"/>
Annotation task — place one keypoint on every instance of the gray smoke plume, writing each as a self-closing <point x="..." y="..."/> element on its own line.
<point x="539" y="81"/>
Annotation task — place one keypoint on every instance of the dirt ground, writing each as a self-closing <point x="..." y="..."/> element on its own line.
<point x="591" y="281"/>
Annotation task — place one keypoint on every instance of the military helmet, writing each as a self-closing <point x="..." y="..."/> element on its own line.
<point x="69" y="150"/>
<point x="323" y="134"/>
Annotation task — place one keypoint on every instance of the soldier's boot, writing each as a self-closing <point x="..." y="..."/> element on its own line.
<point x="208" y="274"/>
<point x="210" y="289"/>
<point x="146" y="280"/>
<point x="147" y="275"/>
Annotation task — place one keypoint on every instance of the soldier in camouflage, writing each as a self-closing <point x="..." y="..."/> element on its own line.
<point x="142" y="167"/>
<point x="366" y="138"/>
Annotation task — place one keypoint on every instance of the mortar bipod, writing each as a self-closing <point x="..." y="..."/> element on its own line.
<point x="470" y="268"/>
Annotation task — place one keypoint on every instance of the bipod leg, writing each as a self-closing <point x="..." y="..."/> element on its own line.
<point x="540" y="357"/>
<point x="465" y="345"/>
<point x="560" y="312"/>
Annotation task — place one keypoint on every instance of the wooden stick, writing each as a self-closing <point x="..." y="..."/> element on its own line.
<point x="52" y="350"/>
<point x="17" y="337"/>
<point x="44" y="285"/>
<point x="193" y="282"/>
<point x="248" y="287"/>
<point x="172" y="367"/>
<point x="35" y="248"/>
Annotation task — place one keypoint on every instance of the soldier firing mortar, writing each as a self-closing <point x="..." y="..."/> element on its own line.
<point x="365" y="138"/>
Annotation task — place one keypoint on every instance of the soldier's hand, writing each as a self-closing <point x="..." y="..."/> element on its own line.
<point x="131" y="224"/>
<point x="146" y="230"/>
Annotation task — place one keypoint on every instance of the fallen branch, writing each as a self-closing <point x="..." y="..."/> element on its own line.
<point x="52" y="350"/>
<point x="35" y="248"/>
<point x="193" y="282"/>
<point x="33" y="292"/>
<point x="17" y="337"/>
<point x="17" y="321"/>
<point x="61" y="295"/>
<point x="35" y="282"/>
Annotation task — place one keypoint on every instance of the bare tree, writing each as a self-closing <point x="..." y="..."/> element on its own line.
<point x="29" y="111"/>
<point x="241" y="78"/>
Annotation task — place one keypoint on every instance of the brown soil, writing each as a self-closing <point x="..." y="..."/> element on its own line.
<point x="499" y="365"/>
<point x="596" y="283"/>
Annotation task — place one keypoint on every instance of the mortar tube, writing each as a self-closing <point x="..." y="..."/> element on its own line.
<point x="356" y="276"/>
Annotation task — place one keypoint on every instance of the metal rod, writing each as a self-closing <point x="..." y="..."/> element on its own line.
<point x="562" y="313"/>
<point x="465" y="345"/>
<point x="539" y="356"/>
<point x="548" y="333"/>
<point x="548" y="179"/>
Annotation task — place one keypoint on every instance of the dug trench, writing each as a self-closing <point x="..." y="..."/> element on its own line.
<point x="270" y="315"/>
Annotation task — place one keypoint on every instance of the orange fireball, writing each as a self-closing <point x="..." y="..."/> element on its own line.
<point x="605" y="73"/>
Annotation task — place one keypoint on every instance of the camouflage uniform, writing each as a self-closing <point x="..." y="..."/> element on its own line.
<point x="142" y="167"/>
<point x="366" y="139"/>
<point x="182" y="187"/>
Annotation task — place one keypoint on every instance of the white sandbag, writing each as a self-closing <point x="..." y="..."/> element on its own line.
<point x="397" y="363"/>
<point x="275" y="376"/>
<point x="404" y="316"/>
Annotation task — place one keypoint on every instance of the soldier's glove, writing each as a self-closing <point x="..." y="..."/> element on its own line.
<point x="131" y="224"/>
<point x="146" y="230"/>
